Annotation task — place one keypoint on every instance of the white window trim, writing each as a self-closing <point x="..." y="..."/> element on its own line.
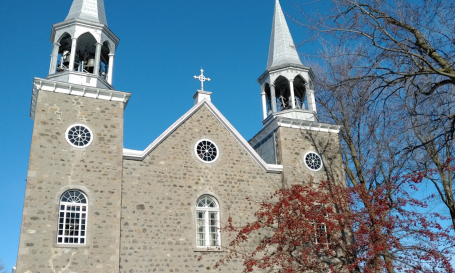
<point x="92" y="136"/>
<point x="304" y="161"/>
<point x="217" y="151"/>
<point x="316" y="231"/>
<point x="316" y="234"/>
<point x="206" y="211"/>
<point x="63" y="236"/>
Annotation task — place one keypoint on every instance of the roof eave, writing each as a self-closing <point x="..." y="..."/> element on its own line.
<point x="283" y="67"/>
<point x="82" y="22"/>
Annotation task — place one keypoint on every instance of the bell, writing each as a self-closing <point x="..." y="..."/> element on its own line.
<point x="66" y="57"/>
<point x="90" y="63"/>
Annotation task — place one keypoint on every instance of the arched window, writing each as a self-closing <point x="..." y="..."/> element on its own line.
<point x="72" y="221"/>
<point x="207" y="222"/>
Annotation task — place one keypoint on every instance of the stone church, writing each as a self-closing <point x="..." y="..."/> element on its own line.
<point x="92" y="205"/>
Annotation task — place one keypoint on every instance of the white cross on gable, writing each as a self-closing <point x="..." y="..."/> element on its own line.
<point x="202" y="78"/>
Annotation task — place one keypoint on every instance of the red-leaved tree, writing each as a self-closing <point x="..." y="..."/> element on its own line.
<point x="329" y="228"/>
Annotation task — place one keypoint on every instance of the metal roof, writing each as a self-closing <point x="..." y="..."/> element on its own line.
<point x="282" y="49"/>
<point x="90" y="10"/>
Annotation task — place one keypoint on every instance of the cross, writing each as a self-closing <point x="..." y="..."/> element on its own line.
<point x="202" y="78"/>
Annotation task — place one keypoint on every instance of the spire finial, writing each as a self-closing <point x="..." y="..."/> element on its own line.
<point x="202" y="79"/>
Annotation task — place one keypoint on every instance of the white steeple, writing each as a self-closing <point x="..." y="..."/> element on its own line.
<point x="286" y="84"/>
<point x="90" y="10"/>
<point x="84" y="47"/>
<point x="282" y="49"/>
<point x="82" y="58"/>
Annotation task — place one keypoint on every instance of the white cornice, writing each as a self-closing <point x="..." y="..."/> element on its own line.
<point x="307" y="125"/>
<point x="75" y="90"/>
<point x="84" y="23"/>
<point x="140" y="155"/>
<point x="273" y="122"/>
<point x="279" y="70"/>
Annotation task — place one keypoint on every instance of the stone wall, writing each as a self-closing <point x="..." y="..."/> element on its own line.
<point x="158" y="232"/>
<point x="55" y="167"/>
<point x="292" y="146"/>
<point x="142" y="214"/>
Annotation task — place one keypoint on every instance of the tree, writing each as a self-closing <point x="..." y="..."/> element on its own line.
<point x="432" y="146"/>
<point x="2" y="267"/>
<point x="308" y="228"/>
<point x="402" y="53"/>
<point x="370" y="134"/>
<point x="407" y="41"/>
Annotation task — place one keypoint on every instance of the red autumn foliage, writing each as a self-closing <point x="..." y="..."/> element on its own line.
<point x="330" y="228"/>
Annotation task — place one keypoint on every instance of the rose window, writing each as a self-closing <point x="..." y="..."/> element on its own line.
<point x="79" y="136"/>
<point x="313" y="161"/>
<point x="206" y="151"/>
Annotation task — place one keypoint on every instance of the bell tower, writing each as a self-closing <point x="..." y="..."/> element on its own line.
<point x="286" y="85"/>
<point x="292" y="135"/>
<point x="72" y="206"/>
<point x="83" y="46"/>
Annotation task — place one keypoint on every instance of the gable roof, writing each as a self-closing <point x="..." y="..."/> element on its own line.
<point x="90" y="10"/>
<point x="140" y="155"/>
<point x="282" y="49"/>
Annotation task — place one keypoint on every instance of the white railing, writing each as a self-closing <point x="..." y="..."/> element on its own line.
<point x="62" y="68"/>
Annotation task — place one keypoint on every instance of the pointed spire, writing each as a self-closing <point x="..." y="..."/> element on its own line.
<point x="282" y="49"/>
<point x="90" y="10"/>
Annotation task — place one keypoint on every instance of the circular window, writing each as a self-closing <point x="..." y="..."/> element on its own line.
<point x="206" y="150"/>
<point x="79" y="135"/>
<point x="313" y="161"/>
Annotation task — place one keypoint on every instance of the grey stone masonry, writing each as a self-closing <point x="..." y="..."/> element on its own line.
<point x="55" y="167"/>
<point x="292" y="146"/>
<point x="158" y="228"/>
<point x="142" y="213"/>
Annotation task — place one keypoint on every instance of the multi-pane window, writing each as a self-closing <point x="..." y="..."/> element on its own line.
<point x="79" y="135"/>
<point x="207" y="222"/>
<point x="313" y="161"/>
<point x="72" y="221"/>
<point x="206" y="151"/>
<point x="321" y="234"/>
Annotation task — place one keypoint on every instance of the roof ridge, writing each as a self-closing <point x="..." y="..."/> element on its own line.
<point x="140" y="155"/>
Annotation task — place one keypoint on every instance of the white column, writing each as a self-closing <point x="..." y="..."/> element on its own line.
<point x="54" y="58"/>
<point x="111" y="68"/>
<point x="96" y="69"/>
<point x="73" y="54"/>
<point x="311" y="100"/>
<point x="273" y="98"/>
<point x="264" y="104"/>
<point x="291" y="87"/>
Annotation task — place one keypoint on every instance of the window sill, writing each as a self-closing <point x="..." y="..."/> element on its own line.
<point x="70" y="246"/>
<point x="208" y="249"/>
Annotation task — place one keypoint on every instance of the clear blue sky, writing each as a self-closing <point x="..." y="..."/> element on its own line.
<point x="163" y="45"/>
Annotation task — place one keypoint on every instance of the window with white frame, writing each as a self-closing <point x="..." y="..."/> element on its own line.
<point x="79" y="135"/>
<point x="313" y="161"/>
<point x="206" y="150"/>
<point x="320" y="233"/>
<point x="207" y="222"/>
<point x="72" y="222"/>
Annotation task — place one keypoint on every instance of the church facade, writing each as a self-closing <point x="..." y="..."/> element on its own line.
<point x="92" y="205"/>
